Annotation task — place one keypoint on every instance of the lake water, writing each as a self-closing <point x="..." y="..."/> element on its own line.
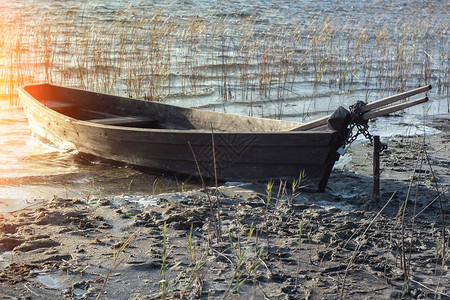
<point x="30" y="171"/>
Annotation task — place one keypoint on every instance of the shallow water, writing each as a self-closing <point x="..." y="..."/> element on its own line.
<point x="30" y="171"/>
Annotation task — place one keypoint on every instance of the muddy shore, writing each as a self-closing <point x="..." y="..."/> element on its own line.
<point x="307" y="246"/>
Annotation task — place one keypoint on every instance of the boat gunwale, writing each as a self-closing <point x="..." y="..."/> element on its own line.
<point x="52" y="111"/>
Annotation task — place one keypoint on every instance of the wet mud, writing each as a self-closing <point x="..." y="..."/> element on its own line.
<point x="269" y="244"/>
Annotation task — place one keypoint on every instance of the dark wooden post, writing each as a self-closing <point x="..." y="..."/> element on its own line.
<point x="376" y="167"/>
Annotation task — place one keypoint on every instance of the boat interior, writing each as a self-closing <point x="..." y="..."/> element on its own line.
<point x="103" y="109"/>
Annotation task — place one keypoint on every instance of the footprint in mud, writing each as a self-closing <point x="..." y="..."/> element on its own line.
<point x="53" y="259"/>
<point x="36" y="244"/>
<point x="9" y="243"/>
<point x="9" y="228"/>
<point x="59" y="218"/>
<point x="145" y="266"/>
<point x="79" y="290"/>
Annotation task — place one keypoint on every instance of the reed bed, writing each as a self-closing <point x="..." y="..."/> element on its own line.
<point x="154" y="54"/>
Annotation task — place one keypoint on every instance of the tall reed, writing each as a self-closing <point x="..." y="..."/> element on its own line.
<point x="154" y="54"/>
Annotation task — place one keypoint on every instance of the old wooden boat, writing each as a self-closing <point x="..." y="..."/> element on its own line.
<point x="157" y="136"/>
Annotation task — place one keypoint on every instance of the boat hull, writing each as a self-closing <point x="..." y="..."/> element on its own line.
<point x="239" y="156"/>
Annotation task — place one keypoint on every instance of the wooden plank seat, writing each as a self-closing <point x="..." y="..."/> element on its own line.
<point x="123" y="121"/>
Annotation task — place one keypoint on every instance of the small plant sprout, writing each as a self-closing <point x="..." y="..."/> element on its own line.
<point x="117" y="261"/>
<point x="281" y="192"/>
<point x="197" y="275"/>
<point x="190" y="248"/>
<point x="296" y="185"/>
<point x="245" y="266"/>
<point x="87" y="198"/>
<point x="269" y="187"/>
<point x="399" y="214"/>
<point x="163" y="286"/>
<point x="155" y="187"/>
<point x="405" y="289"/>
<point x="129" y="186"/>
<point x="438" y="247"/>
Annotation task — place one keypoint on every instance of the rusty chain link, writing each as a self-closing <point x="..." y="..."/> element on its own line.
<point x="362" y="126"/>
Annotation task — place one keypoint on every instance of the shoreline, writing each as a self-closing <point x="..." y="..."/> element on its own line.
<point x="312" y="245"/>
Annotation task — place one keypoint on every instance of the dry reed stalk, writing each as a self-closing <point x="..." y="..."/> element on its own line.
<point x="213" y="222"/>
<point x="219" y="226"/>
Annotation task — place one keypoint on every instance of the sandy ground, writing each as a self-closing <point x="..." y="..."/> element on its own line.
<point x="311" y="246"/>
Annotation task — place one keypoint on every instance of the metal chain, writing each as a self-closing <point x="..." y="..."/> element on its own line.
<point x="362" y="126"/>
<point x="357" y="121"/>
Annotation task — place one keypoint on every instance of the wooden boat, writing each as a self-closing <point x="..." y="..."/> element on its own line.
<point x="158" y="136"/>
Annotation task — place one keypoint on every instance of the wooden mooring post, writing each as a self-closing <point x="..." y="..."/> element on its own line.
<point x="376" y="167"/>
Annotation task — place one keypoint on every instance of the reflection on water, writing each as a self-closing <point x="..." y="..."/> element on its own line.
<point x="13" y="129"/>
<point x="46" y="280"/>
<point x="31" y="171"/>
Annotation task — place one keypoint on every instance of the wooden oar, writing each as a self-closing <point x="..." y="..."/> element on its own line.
<point x="381" y="112"/>
<point x="372" y="105"/>
<point x="394" y="98"/>
<point x="387" y="110"/>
